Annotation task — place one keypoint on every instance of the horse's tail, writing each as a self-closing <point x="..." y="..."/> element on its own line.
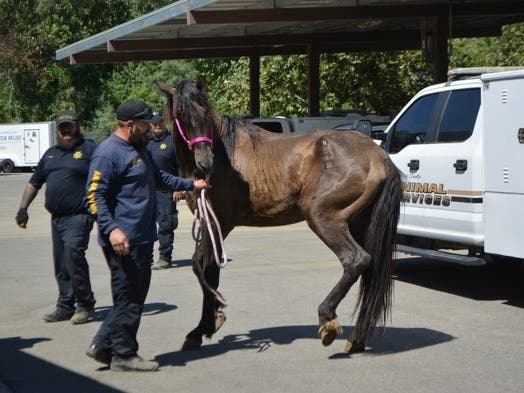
<point x="376" y="284"/>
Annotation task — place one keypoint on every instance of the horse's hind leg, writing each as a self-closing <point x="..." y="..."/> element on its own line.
<point x="354" y="260"/>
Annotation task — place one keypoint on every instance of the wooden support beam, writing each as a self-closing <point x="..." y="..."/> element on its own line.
<point x="254" y="85"/>
<point x="314" y="80"/>
<point x="439" y="48"/>
<point x="258" y="40"/>
<point x="119" y="57"/>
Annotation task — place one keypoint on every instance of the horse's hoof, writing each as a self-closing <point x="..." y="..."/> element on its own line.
<point x="354" y="347"/>
<point x="220" y="319"/>
<point x="191" y="344"/>
<point x="328" y="331"/>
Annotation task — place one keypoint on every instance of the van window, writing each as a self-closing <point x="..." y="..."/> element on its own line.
<point x="414" y="124"/>
<point x="459" y="116"/>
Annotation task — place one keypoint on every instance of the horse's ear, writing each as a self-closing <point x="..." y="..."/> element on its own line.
<point x="201" y="84"/>
<point x="168" y="91"/>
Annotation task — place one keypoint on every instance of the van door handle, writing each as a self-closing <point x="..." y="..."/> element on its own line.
<point x="461" y="165"/>
<point x="414" y="165"/>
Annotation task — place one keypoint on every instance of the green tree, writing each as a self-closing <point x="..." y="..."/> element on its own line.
<point x="379" y="82"/>
<point x="506" y="50"/>
<point x="135" y="80"/>
<point x="31" y="31"/>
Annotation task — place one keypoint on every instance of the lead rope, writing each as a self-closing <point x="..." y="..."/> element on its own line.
<point x="202" y="212"/>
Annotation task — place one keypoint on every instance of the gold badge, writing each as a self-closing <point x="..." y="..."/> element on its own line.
<point x="136" y="160"/>
<point x="77" y="155"/>
<point x="163" y="146"/>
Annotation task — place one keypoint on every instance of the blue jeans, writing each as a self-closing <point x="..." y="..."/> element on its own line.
<point x="130" y="279"/>
<point x="70" y="236"/>
<point x="167" y="219"/>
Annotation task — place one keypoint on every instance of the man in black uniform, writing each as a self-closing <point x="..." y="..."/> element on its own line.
<point x="163" y="153"/>
<point x="64" y="168"/>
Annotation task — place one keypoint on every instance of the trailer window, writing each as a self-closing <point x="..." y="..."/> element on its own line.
<point x="414" y="124"/>
<point x="460" y="116"/>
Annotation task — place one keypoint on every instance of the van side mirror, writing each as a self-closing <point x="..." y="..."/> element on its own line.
<point x="363" y="126"/>
<point x="380" y="135"/>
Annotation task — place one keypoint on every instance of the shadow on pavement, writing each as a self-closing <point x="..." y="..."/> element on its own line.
<point x="181" y="263"/>
<point x="186" y="262"/>
<point x="394" y="340"/>
<point x="500" y="281"/>
<point x="24" y="373"/>
<point x="149" y="309"/>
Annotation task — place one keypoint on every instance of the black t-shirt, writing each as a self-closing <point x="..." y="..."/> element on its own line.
<point x="65" y="174"/>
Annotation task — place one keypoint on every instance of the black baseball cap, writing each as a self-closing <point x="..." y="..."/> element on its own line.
<point x="134" y="110"/>
<point x="157" y="117"/>
<point x="66" y="117"/>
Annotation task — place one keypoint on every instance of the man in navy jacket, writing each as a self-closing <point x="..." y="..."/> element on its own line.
<point x="121" y="194"/>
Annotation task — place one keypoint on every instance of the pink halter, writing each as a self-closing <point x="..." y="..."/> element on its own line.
<point x="191" y="142"/>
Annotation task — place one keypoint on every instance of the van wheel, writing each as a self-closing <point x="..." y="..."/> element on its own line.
<point x="8" y="166"/>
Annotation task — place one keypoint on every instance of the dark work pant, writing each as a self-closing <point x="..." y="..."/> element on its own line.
<point x="167" y="219"/>
<point x="70" y="236"/>
<point x="130" y="278"/>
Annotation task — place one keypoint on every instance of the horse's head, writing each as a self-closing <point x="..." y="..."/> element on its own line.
<point x="191" y="112"/>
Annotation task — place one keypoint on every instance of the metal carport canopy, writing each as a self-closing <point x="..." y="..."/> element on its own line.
<point x="233" y="28"/>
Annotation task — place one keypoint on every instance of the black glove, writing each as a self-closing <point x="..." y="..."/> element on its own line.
<point x="22" y="218"/>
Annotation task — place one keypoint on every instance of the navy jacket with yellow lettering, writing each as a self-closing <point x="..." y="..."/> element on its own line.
<point x="121" y="190"/>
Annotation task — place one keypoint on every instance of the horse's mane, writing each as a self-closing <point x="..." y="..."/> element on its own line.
<point x="233" y="124"/>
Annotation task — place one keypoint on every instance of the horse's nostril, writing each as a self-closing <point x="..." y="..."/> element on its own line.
<point x="204" y="165"/>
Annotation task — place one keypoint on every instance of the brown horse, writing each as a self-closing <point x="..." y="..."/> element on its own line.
<point x="340" y="182"/>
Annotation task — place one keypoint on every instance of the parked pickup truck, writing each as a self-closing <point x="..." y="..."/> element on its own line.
<point x="370" y="125"/>
<point x="460" y="145"/>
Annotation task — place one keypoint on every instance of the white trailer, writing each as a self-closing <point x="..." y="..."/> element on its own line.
<point x="460" y="145"/>
<point x="23" y="144"/>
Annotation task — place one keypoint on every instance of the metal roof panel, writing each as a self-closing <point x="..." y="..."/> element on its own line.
<point x="238" y="19"/>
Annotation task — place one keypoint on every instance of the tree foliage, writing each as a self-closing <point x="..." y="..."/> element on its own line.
<point x="374" y="82"/>
<point x="506" y="50"/>
<point x="30" y="33"/>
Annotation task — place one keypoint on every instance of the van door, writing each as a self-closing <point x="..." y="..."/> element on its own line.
<point x="406" y="135"/>
<point x="434" y="144"/>
<point x="31" y="146"/>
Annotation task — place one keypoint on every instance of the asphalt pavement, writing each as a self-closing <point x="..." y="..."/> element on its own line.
<point x="453" y="329"/>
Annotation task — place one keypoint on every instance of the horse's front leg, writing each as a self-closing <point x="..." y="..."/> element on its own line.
<point x="212" y="318"/>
